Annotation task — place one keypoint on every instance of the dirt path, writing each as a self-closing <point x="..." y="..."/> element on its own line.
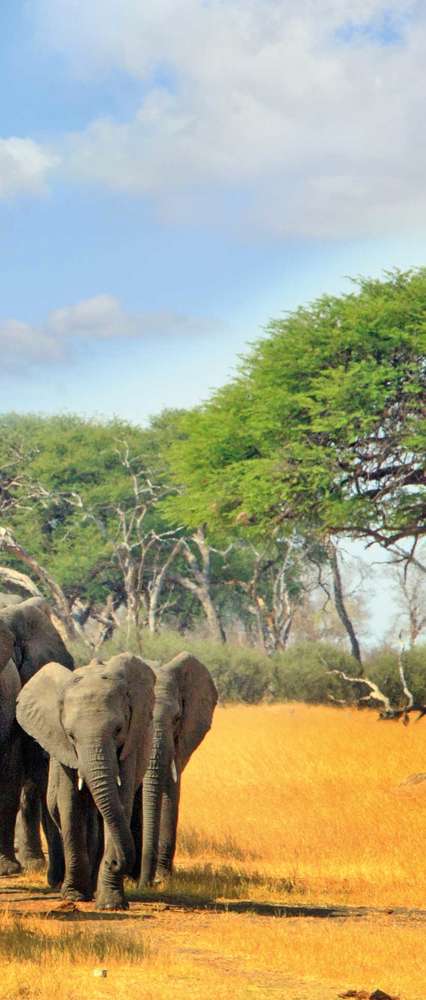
<point x="189" y="933"/>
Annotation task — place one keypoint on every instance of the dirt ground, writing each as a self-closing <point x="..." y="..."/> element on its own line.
<point x="188" y="940"/>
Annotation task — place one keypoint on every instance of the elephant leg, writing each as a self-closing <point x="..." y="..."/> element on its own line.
<point x="71" y="806"/>
<point x="36" y="769"/>
<point x="27" y="832"/>
<point x="136" y="825"/>
<point x="110" y="884"/>
<point x="56" y="865"/>
<point x="10" y="791"/>
<point x="168" y="829"/>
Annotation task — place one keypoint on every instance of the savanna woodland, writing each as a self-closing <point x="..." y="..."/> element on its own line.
<point x="227" y="524"/>
<point x="224" y="530"/>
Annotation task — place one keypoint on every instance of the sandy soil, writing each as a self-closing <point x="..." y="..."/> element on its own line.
<point x="186" y="932"/>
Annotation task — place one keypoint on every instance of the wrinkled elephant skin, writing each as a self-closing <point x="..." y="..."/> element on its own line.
<point x="185" y="699"/>
<point x="96" y="724"/>
<point x="28" y="640"/>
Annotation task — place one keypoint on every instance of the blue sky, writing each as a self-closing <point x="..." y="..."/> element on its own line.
<point x="174" y="173"/>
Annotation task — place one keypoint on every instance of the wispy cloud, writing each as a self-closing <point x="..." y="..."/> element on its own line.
<point x="24" y="167"/>
<point x="101" y="318"/>
<point x="311" y="111"/>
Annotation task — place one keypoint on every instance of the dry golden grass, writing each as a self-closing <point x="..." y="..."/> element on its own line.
<point x="292" y="803"/>
<point x="309" y="798"/>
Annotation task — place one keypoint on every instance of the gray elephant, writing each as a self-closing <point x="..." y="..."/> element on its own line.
<point x="96" y="724"/>
<point x="185" y="699"/>
<point x="28" y="640"/>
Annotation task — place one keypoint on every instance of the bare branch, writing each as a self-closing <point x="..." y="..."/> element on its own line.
<point x="405" y="688"/>
<point x="9" y="544"/>
<point x="374" y="691"/>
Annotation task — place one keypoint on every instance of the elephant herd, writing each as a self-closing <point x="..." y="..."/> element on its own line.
<point x="96" y="753"/>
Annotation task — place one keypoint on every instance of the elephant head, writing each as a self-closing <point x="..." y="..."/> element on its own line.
<point x="35" y="639"/>
<point x="185" y="699"/>
<point x="96" y="720"/>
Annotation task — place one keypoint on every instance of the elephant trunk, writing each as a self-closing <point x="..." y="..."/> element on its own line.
<point x="168" y="824"/>
<point x="98" y="768"/>
<point x="156" y="786"/>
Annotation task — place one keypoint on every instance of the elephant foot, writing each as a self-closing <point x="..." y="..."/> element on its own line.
<point x="160" y="878"/>
<point x="111" y="899"/>
<point x="33" y="864"/>
<point x="162" y="875"/>
<point x="77" y="894"/>
<point x="9" y="866"/>
<point x="55" y="876"/>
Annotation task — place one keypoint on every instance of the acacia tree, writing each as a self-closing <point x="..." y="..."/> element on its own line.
<point x="324" y="427"/>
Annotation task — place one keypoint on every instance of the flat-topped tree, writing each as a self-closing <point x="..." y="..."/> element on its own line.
<point x="325" y="424"/>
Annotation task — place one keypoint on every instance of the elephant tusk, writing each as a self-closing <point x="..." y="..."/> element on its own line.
<point x="118" y="781"/>
<point x="174" y="771"/>
<point x="80" y="783"/>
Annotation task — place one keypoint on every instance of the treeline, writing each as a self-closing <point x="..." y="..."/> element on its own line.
<point x="300" y="673"/>
<point x="87" y="510"/>
<point x="225" y="522"/>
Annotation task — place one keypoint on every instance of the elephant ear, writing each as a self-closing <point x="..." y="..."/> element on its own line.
<point x="38" y="711"/>
<point x="199" y="698"/>
<point x="140" y="681"/>
<point x="6" y="645"/>
<point x="37" y="641"/>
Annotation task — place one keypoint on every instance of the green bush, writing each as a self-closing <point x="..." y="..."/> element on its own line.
<point x="301" y="673"/>
<point x="382" y="667"/>
<point x="240" y="673"/>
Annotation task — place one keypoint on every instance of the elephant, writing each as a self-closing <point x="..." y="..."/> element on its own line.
<point x="96" y="725"/>
<point x="185" y="699"/>
<point x="28" y="640"/>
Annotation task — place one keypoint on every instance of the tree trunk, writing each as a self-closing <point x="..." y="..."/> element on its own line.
<point x="340" y="604"/>
<point x="214" y="626"/>
<point x="157" y="586"/>
<point x="62" y="608"/>
<point x="199" y="582"/>
<point x="203" y="596"/>
<point x="19" y="581"/>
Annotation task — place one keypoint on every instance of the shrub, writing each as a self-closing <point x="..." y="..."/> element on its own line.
<point x="301" y="673"/>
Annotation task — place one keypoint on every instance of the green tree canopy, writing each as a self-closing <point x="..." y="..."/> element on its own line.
<point x="69" y="522"/>
<point x="324" y="426"/>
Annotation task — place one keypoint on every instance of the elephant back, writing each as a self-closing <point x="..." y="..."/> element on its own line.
<point x="36" y="640"/>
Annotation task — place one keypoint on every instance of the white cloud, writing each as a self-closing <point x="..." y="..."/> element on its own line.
<point x="24" y="167"/>
<point x="101" y="318"/>
<point x="296" y="109"/>
<point x="21" y="343"/>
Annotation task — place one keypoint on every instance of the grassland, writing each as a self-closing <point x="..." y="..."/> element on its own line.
<point x="311" y="798"/>
<point x="286" y="804"/>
